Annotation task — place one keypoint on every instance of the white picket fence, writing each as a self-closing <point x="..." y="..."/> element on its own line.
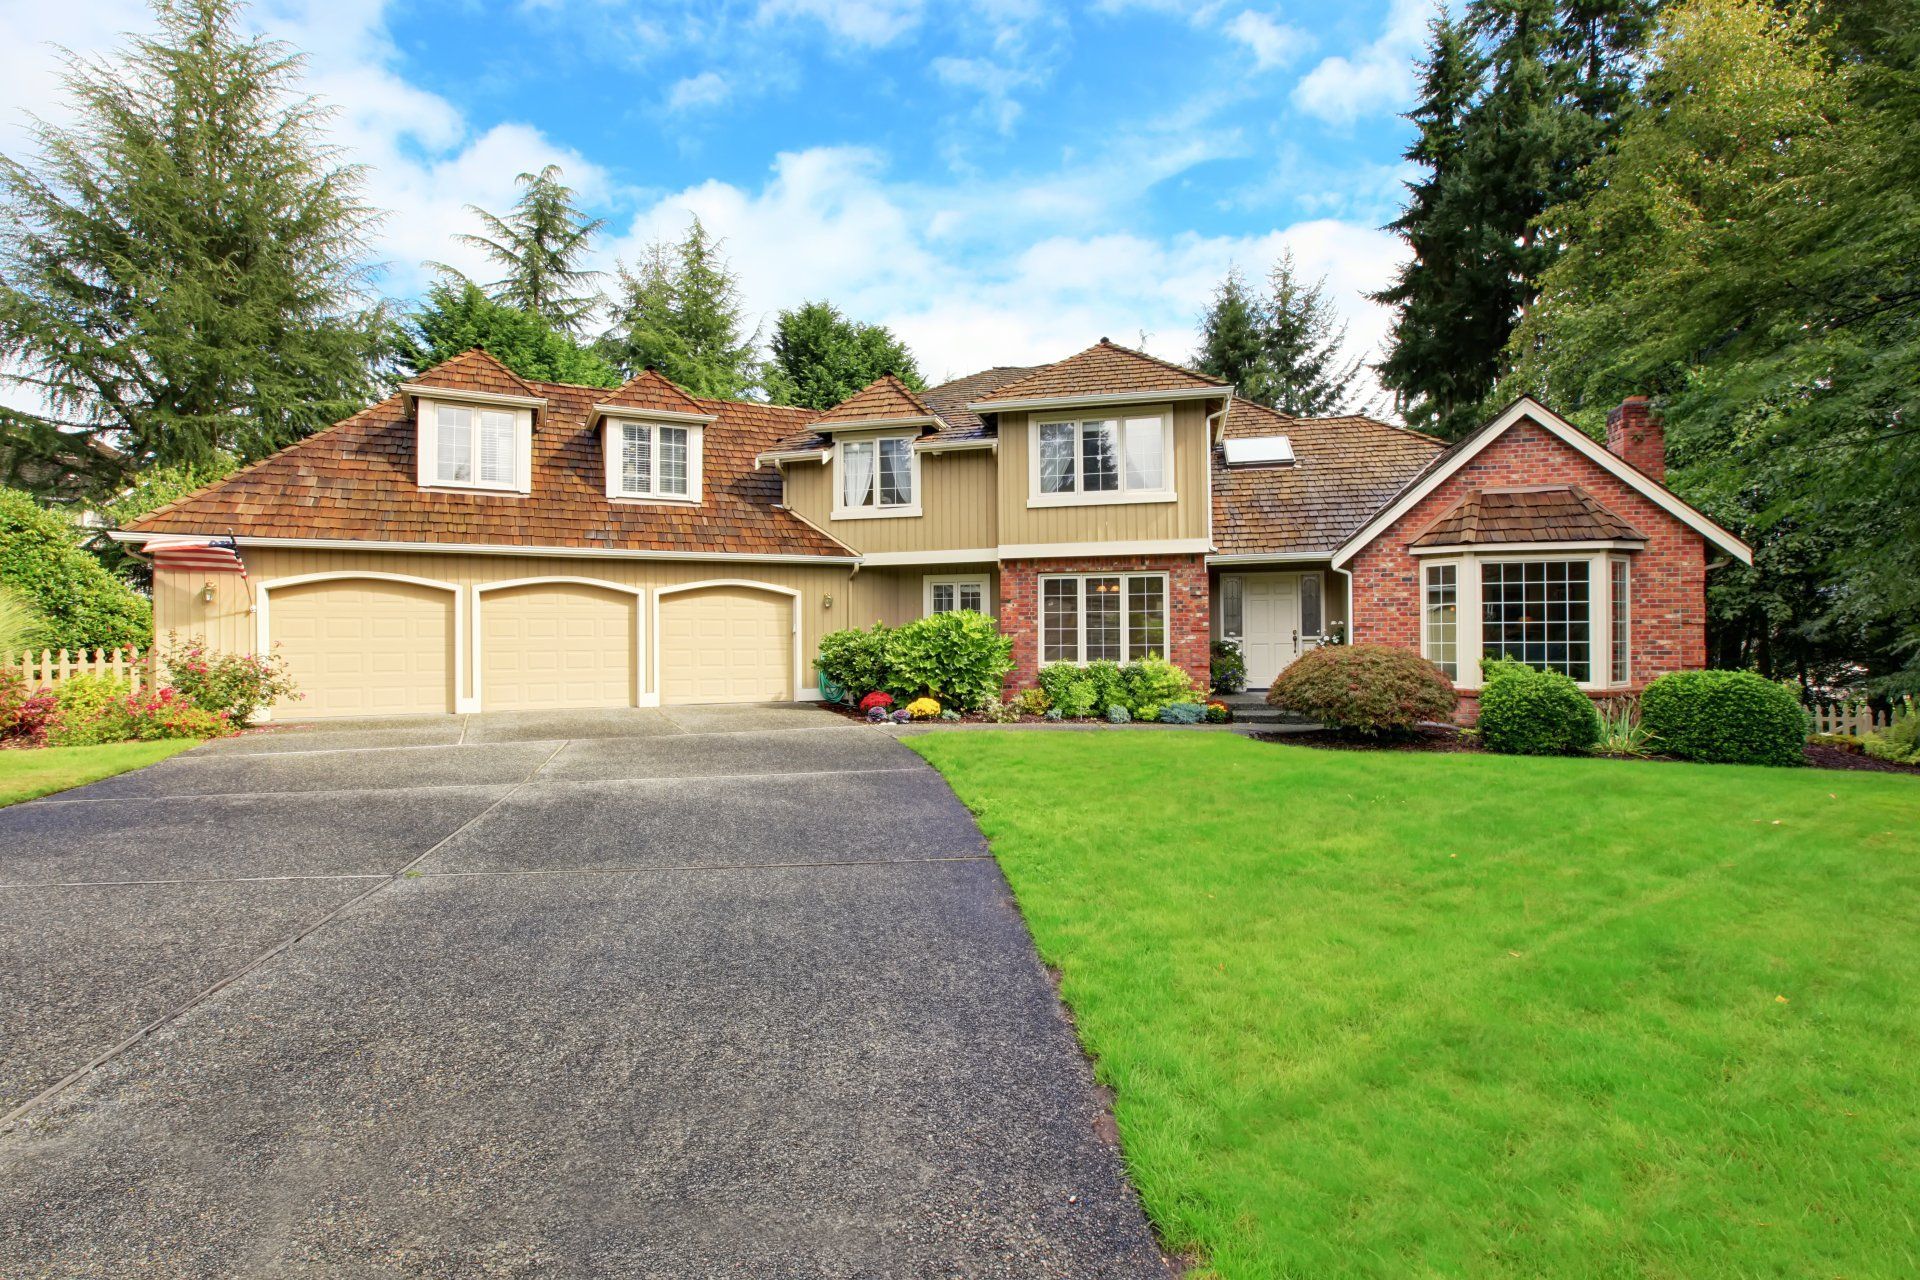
<point x="50" y="666"/>
<point x="1854" y="719"/>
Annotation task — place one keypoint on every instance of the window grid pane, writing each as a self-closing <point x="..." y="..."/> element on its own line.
<point x="1443" y="619"/>
<point x="1146" y="618"/>
<point x="636" y="459"/>
<point x="972" y="598"/>
<point x="496" y="446"/>
<point x="943" y="597"/>
<point x="1145" y="449"/>
<point x="896" y="474"/>
<point x="856" y="465"/>
<point x="1060" y="620"/>
<point x="673" y="460"/>
<point x="1622" y="663"/>
<point x="455" y="431"/>
<point x="1537" y="613"/>
<point x="1103" y="620"/>
<point x="1099" y="457"/>
<point x="1056" y="457"/>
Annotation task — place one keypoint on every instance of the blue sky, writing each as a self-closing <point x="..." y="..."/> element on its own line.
<point x="1000" y="180"/>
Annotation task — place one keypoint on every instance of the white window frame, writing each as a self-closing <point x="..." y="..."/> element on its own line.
<point x="1126" y="577"/>
<point x="1620" y="639"/>
<point x="956" y="581"/>
<point x="613" y="446"/>
<point x="1470" y="641"/>
<point x="896" y="511"/>
<point x="427" y="434"/>
<point x="1428" y="643"/>
<point x="1119" y="415"/>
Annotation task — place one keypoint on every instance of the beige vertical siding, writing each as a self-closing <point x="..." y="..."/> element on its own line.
<point x="898" y="595"/>
<point x="957" y="505"/>
<point x="1186" y="517"/>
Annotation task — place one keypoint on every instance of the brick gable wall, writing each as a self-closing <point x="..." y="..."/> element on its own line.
<point x="1668" y="576"/>
<point x="1187" y="605"/>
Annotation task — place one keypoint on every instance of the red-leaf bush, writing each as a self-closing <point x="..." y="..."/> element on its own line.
<point x="878" y="698"/>
<point x="27" y="714"/>
<point x="1365" y="688"/>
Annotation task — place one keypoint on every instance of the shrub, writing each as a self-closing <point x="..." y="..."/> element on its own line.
<point x="958" y="657"/>
<point x="1899" y="742"/>
<point x="166" y="713"/>
<point x="1621" y="733"/>
<point x="1109" y="686"/>
<point x="1219" y="713"/>
<point x="855" y="660"/>
<point x="21" y="626"/>
<point x="1030" y="702"/>
<point x="1000" y="712"/>
<point x="93" y="709"/>
<point x="27" y="714"/>
<point x="83" y="606"/>
<point x="1152" y="683"/>
<point x="950" y="714"/>
<point x="1118" y="714"/>
<point x="1364" y="688"/>
<point x="1054" y="679"/>
<point x="1229" y="672"/>
<point x="1182" y="713"/>
<point x="239" y="685"/>
<point x="879" y="699"/>
<point x="923" y="709"/>
<point x="1724" y="717"/>
<point x="1527" y="712"/>
<point x="1053" y="713"/>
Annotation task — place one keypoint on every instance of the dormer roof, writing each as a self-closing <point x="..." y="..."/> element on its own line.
<point x="1559" y="513"/>
<point x="884" y="401"/>
<point x="475" y="373"/>
<point x="649" y="392"/>
<point x="1103" y="372"/>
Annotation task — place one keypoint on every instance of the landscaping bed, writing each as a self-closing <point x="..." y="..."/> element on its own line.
<point x="1392" y="1013"/>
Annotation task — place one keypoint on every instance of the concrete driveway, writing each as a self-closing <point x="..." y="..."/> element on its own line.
<point x="705" y="991"/>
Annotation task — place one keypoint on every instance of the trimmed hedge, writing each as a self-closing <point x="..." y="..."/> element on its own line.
<point x="1525" y="712"/>
<point x="1724" y="717"/>
<point x="1366" y="688"/>
<point x="1143" y="689"/>
<point x="959" y="658"/>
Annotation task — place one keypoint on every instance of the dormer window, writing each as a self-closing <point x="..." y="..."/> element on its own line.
<point x="475" y="445"/>
<point x="653" y="460"/>
<point x="877" y="477"/>
<point x="1097" y="459"/>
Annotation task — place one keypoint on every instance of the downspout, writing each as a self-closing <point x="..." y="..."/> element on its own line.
<point x="1353" y="623"/>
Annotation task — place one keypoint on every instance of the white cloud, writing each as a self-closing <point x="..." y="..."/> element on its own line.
<point x="708" y="89"/>
<point x="994" y="82"/>
<point x="864" y="22"/>
<point x="1378" y="77"/>
<point x="1274" y="44"/>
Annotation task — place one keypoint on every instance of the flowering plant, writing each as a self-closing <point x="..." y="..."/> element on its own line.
<point x="923" y="709"/>
<point x="877" y="715"/>
<point x="1219" y="713"/>
<point x="239" y="684"/>
<point x="878" y="698"/>
<point x="26" y="713"/>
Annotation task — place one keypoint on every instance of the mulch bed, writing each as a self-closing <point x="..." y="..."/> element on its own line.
<point x="1824" y="756"/>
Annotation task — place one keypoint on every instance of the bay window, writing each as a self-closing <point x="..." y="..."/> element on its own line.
<point x="1103" y="617"/>
<point x="1441" y="618"/>
<point x="1536" y="612"/>
<point x="877" y="477"/>
<point x="1571" y="614"/>
<point x="1621" y="599"/>
<point x="1116" y="459"/>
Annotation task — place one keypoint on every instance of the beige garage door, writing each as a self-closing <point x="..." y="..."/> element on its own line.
<point x="556" y="644"/>
<point x="726" y="644"/>
<point x="362" y="647"/>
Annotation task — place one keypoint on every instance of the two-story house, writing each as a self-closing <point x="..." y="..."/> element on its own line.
<point x="481" y="542"/>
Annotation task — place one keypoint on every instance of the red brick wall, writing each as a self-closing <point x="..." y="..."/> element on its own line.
<point x="1187" y="606"/>
<point x="1669" y="575"/>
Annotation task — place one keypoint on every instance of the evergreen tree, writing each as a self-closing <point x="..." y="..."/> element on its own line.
<point x="539" y="245"/>
<point x="1232" y="346"/>
<point x="184" y="265"/>
<point x="679" y="313"/>
<point x="820" y="357"/>
<point x="456" y="316"/>
<point x="1301" y="342"/>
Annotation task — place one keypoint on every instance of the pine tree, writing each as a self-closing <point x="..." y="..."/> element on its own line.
<point x="820" y="357"/>
<point x="539" y="245"/>
<point x="1231" y="343"/>
<point x="456" y="316"/>
<point x="1301" y="344"/>
<point x="184" y="266"/>
<point x="679" y="313"/>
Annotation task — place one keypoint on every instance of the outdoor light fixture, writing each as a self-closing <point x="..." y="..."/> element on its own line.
<point x="206" y="593"/>
<point x="826" y="601"/>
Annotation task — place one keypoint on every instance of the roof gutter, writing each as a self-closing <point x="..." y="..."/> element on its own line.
<point x="496" y="549"/>
<point x="1101" y="397"/>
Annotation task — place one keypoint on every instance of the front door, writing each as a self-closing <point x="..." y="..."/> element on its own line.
<point x="1271" y="604"/>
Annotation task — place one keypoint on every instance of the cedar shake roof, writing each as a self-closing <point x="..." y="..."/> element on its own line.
<point x="357" y="481"/>
<point x="1101" y="368"/>
<point x="950" y="399"/>
<point x="648" y="390"/>
<point x="475" y="370"/>
<point x="1492" y="516"/>
<point x="1344" y="470"/>
<point x="880" y="400"/>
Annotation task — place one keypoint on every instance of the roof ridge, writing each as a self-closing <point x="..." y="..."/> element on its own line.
<point x="1163" y="363"/>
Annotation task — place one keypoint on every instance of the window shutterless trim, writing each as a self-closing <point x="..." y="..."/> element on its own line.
<point x="1079" y="496"/>
<point x="837" y="478"/>
<point x="1126" y="579"/>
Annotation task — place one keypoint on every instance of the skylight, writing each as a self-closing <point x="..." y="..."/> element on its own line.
<point x="1254" y="451"/>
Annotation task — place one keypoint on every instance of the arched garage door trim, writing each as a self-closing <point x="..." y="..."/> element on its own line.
<point x="793" y="618"/>
<point x="263" y="631"/>
<point x="639" y="595"/>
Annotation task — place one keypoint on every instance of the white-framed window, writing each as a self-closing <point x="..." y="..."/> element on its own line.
<point x="1125" y="457"/>
<point x="657" y="460"/>
<point x="1116" y="617"/>
<point x="1440" y="628"/>
<point x="1539" y="612"/>
<point x="877" y="477"/>
<point x="946" y="593"/>
<point x="1620" y="606"/>
<point x="465" y="446"/>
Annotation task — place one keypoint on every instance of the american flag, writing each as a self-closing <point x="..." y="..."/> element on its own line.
<point x="202" y="555"/>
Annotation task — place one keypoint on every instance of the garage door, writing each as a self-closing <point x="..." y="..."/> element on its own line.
<point x="556" y="644"/>
<point x="362" y="647"/>
<point x="726" y="644"/>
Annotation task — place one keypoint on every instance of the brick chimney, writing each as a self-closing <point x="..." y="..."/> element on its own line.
<point x="1635" y="434"/>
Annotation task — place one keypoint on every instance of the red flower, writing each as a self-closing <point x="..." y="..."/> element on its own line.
<point x="876" y="699"/>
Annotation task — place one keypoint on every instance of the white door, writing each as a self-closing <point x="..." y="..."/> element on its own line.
<point x="1270" y="605"/>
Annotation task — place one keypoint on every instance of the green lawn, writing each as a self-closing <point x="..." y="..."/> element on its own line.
<point x="26" y="774"/>
<point x="1387" y="1014"/>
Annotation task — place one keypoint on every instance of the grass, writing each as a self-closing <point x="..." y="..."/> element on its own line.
<point x="25" y="775"/>
<point x="1392" y="1014"/>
